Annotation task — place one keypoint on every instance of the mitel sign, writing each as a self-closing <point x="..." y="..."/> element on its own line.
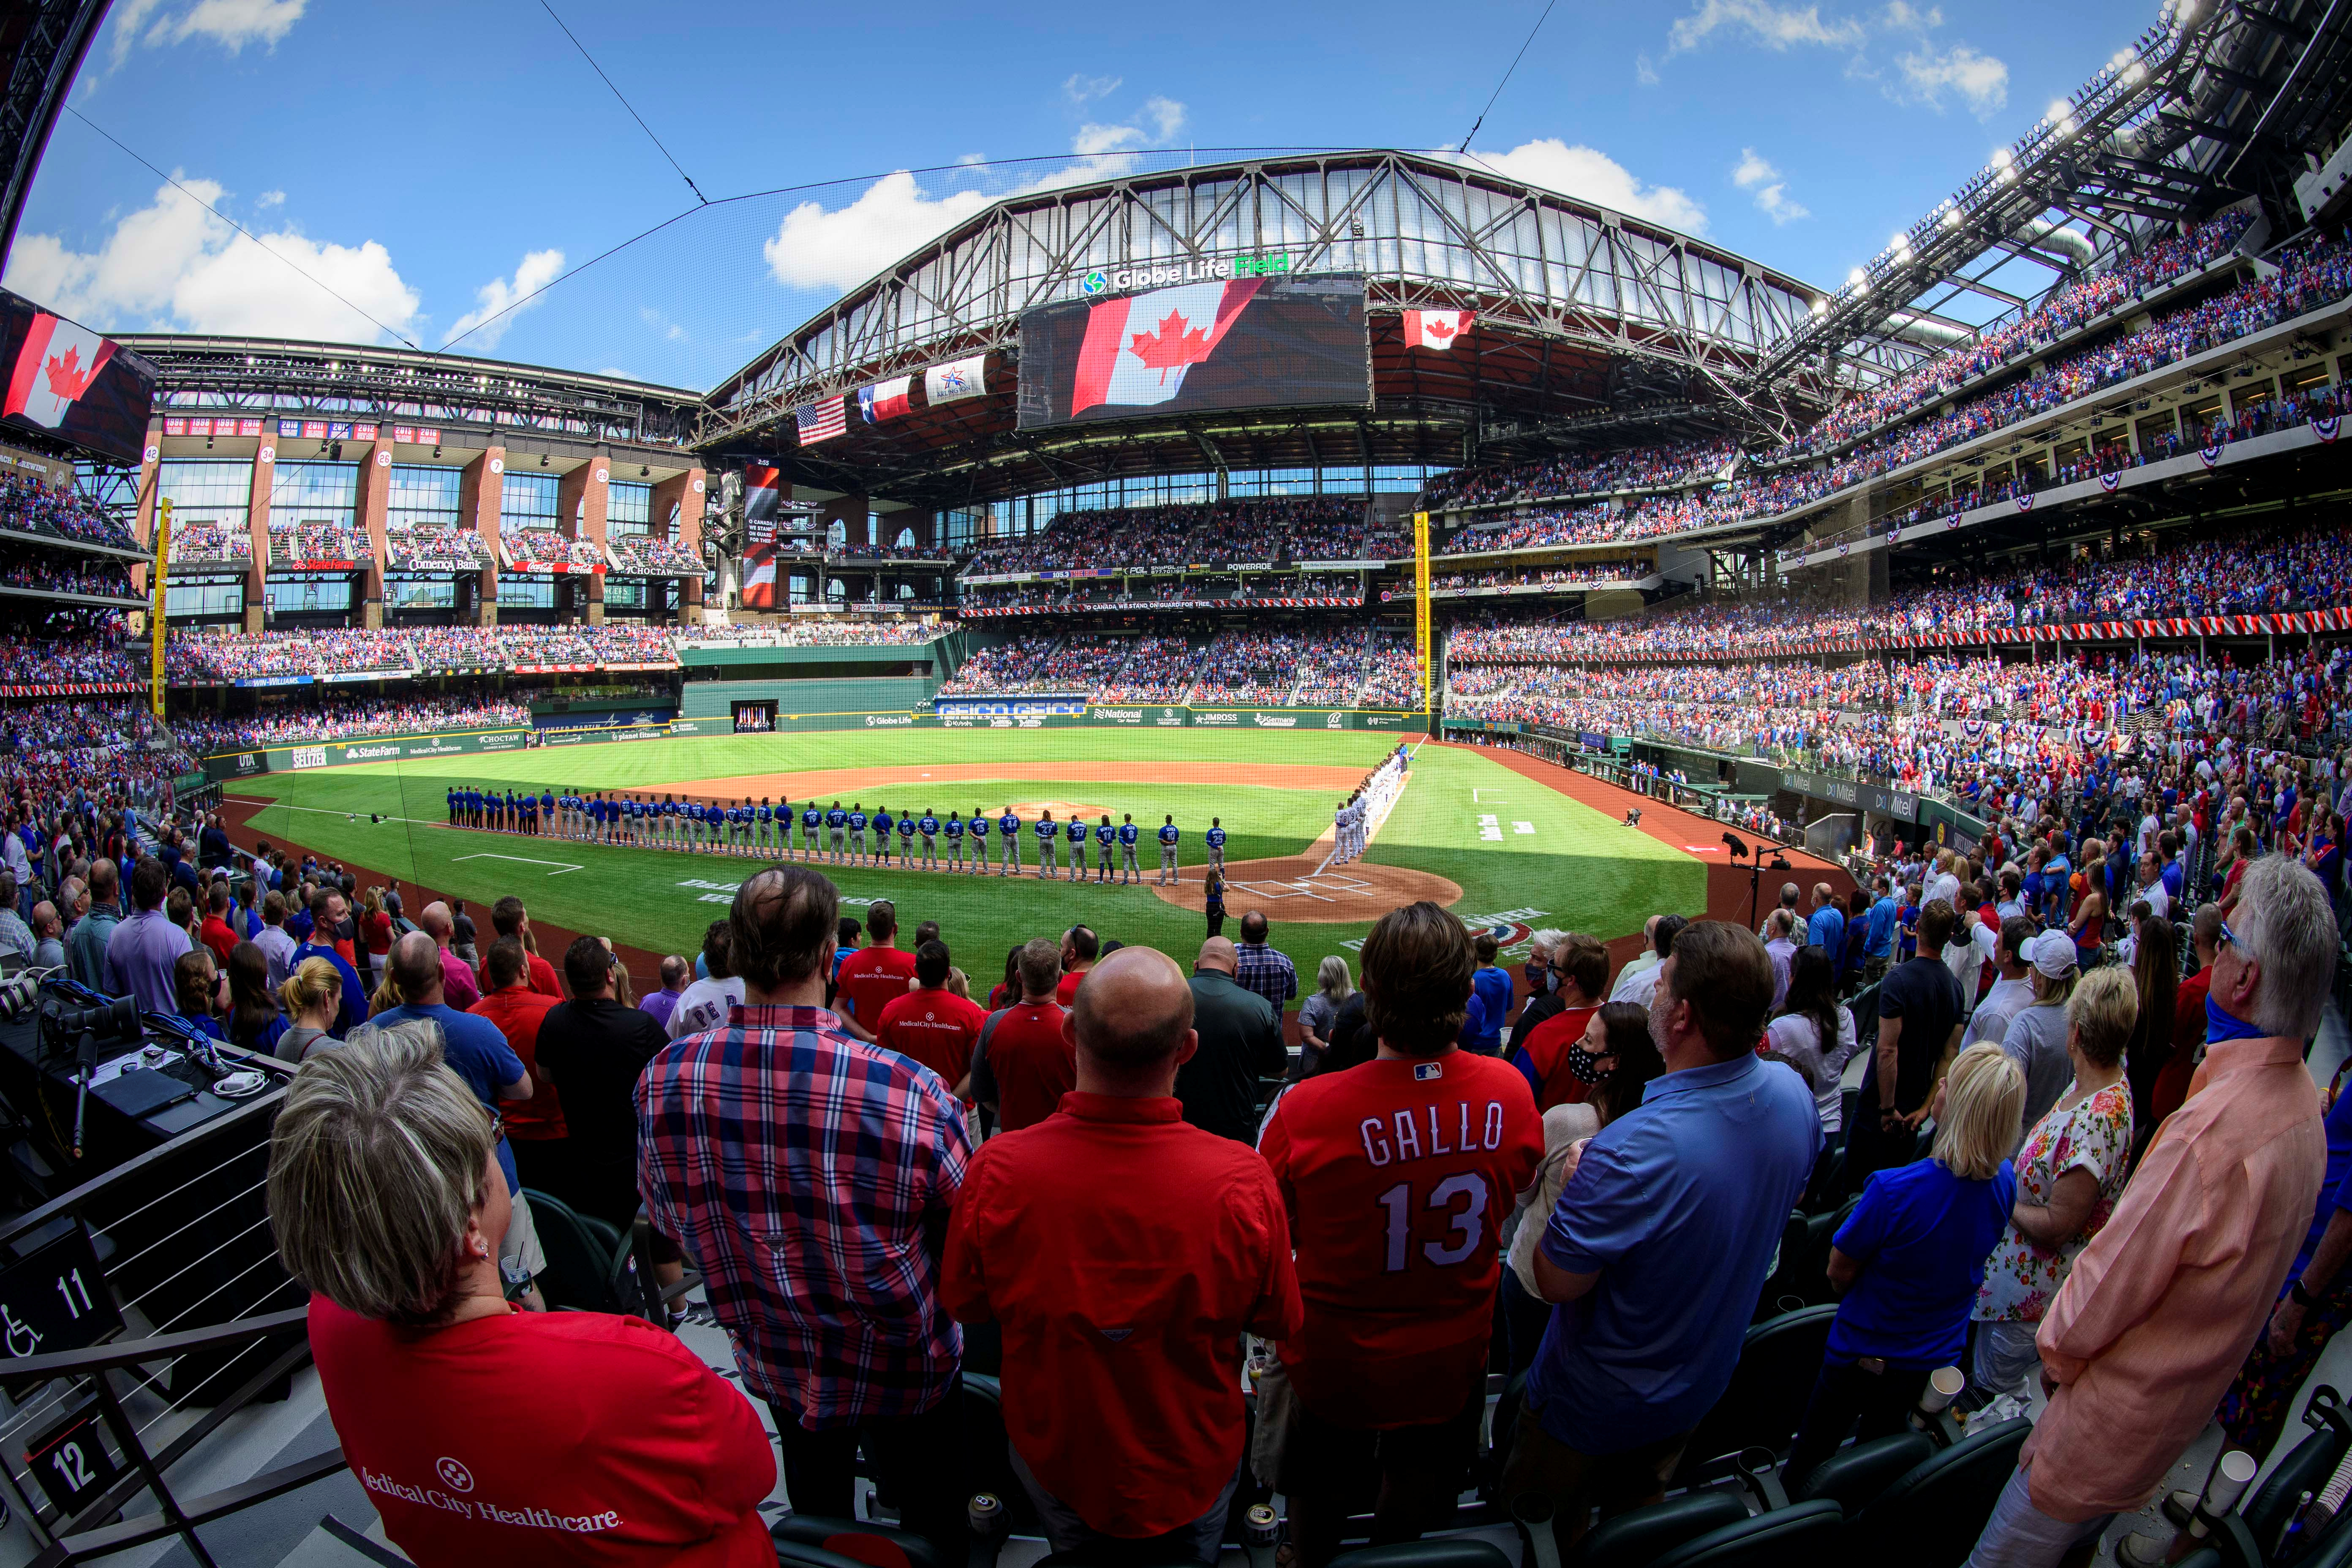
<point x="1164" y="274"/>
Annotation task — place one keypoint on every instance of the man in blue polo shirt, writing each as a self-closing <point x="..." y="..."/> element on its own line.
<point x="1825" y="927"/>
<point x="1878" y="931"/>
<point x="1662" y="1238"/>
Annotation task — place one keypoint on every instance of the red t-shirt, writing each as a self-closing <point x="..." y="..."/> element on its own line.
<point x="1547" y="1046"/>
<point x="1032" y="1064"/>
<point x="1125" y="1253"/>
<point x="546" y="1437"/>
<point x="872" y="978"/>
<point x="218" y="937"/>
<point x="1397" y="1175"/>
<point x="937" y="1028"/>
<point x="1066" y="993"/>
<point x="542" y="975"/>
<point x="516" y="1011"/>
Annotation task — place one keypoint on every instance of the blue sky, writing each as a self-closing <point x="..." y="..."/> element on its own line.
<point x="433" y="162"/>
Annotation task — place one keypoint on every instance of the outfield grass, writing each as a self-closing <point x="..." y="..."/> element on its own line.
<point x="1543" y="860"/>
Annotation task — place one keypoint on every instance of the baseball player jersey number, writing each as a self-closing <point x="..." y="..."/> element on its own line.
<point x="1398" y="1201"/>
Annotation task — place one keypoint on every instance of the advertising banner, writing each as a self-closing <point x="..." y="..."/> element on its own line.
<point x="1231" y="343"/>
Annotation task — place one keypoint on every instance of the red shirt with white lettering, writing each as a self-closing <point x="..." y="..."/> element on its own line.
<point x="872" y="978"/>
<point x="1125" y="1252"/>
<point x="1029" y="1065"/>
<point x="546" y="1437"/>
<point x="936" y="1027"/>
<point x="1397" y="1175"/>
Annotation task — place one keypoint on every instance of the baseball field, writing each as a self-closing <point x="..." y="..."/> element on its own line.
<point x="1500" y="848"/>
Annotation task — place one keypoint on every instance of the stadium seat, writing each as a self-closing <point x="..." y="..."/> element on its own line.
<point x="875" y="1545"/>
<point x="990" y="1453"/>
<point x="1639" y="1537"/>
<point x="1854" y="1476"/>
<point x="2306" y="1467"/>
<point x="1797" y="1536"/>
<point x="591" y="1267"/>
<point x="1932" y="1515"/>
<point x="1778" y="1361"/>
<point x="1439" y="1551"/>
<point x="1781" y="1292"/>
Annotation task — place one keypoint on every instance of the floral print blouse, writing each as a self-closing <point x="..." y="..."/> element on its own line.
<point x="2022" y="1277"/>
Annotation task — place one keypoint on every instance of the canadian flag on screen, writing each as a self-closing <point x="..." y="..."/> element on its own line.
<point x="57" y="364"/>
<point x="1137" y="350"/>
<point x="1435" y="328"/>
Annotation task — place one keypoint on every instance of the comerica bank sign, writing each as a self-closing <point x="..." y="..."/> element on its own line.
<point x="1166" y="274"/>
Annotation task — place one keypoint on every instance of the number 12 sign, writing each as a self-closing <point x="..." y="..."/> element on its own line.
<point x="70" y="1462"/>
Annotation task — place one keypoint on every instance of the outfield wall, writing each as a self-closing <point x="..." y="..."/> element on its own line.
<point x="877" y="694"/>
<point x="227" y="766"/>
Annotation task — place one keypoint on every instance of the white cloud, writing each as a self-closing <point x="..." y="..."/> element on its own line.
<point x="170" y="265"/>
<point x="501" y="299"/>
<point x="1753" y="173"/>
<point x="1900" y="18"/>
<point x="1773" y="26"/>
<point x="1167" y="118"/>
<point x="232" y="24"/>
<point x="1643" y="71"/>
<point x="817" y="248"/>
<point x="840" y="247"/>
<point x="1596" y="177"/>
<point x="1083" y="89"/>
<point x="268" y="199"/>
<point x="670" y="330"/>
<point x="1979" y="79"/>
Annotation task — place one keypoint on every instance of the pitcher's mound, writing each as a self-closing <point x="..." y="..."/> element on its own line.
<point x="1029" y="811"/>
<point x="1288" y="889"/>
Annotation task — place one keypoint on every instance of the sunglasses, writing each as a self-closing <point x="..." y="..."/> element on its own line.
<point x="2230" y="939"/>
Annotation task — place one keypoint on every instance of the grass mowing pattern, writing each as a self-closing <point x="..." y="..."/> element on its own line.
<point x="1580" y="869"/>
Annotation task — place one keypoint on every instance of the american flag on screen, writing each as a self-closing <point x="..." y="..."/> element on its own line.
<point x="822" y="420"/>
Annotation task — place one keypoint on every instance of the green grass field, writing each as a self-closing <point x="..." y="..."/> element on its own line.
<point x="1519" y="851"/>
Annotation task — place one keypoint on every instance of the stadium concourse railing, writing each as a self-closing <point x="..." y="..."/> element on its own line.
<point x="227" y="766"/>
<point x="142" y="1311"/>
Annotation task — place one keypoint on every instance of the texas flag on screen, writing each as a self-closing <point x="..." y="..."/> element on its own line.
<point x="885" y="399"/>
<point x="1435" y="329"/>
<point x="1137" y="349"/>
<point x="56" y="366"/>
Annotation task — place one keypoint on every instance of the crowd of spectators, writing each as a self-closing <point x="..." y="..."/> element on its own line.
<point x="70" y="648"/>
<point x="1247" y="589"/>
<point x="33" y="506"/>
<point x="196" y="656"/>
<point x="2258" y="570"/>
<point x="57" y="572"/>
<point x="331" y="545"/>
<point x="212" y="544"/>
<point x="1306" y="528"/>
<point x="435" y="547"/>
<point x="548" y="549"/>
<point x="336" y="716"/>
<point x="1658" y="466"/>
<point x="1582" y="575"/>
<point x="1890" y="436"/>
<point x="644" y="555"/>
<point x="825" y="631"/>
<point x="1156" y="670"/>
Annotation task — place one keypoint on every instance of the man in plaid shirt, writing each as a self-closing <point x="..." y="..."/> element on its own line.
<point x="1259" y="968"/>
<point x="812" y="1176"/>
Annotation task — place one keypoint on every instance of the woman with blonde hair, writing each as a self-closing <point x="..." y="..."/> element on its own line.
<point x="1319" y="1012"/>
<point x="389" y="1205"/>
<point x="311" y="996"/>
<point x="1908" y="1260"/>
<point x="2070" y="1172"/>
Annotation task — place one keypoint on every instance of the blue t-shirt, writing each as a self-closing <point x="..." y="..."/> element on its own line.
<point x="1168" y="832"/>
<point x="2334" y="1191"/>
<point x="955" y="827"/>
<point x="1128" y="833"/>
<point x="1922" y="1235"/>
<point x="856" y="822"/>
<point x="1878" y="939"/>
<point x="811" y="817"/>
<point x="980" y="828"/>
<point x="478" y="1052"/>
<point x="931" y="825"/>
<point x="1008" y="823"/>
<point x="1105" y="833"/>
<point x="1826" y="927"/>
<point x="835" y="818"/>
<point x="1047" y="831"/>
<point x="1492" y="987"/>
<point x="1078" y="831"/>
<point x="1678" y="1206"/>
<point x="1216" y="837"/>
<point x="907" y="828"/>
<point x="883" y="824"/>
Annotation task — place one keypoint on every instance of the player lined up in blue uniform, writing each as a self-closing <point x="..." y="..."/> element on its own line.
<point x="1129" y="837"/>
<point x="1169" y="834"/>
<point x="1106" y="835"/>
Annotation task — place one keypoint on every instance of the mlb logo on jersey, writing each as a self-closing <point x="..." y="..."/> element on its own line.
<point x="1424" y="1071"/>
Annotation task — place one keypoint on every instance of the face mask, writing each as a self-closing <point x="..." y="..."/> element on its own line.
<point x="1584" y="1065"/>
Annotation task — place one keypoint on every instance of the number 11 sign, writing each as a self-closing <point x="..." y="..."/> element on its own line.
<point x="54" y="1298"/>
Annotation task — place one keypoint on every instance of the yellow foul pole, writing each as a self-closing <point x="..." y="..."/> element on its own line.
<point x="155" y="616"/>
<point x="1424" y="650"/>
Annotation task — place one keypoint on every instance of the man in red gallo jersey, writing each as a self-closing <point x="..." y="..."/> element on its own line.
<point x="1397" y="1175"/>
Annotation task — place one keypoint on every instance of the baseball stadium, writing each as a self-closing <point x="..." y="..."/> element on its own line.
<point x="1251" y="857"/>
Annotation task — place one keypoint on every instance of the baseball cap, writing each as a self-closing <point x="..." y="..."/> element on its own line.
<point x="2052" y="953"/>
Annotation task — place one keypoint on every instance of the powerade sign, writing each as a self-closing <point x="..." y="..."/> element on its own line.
<point x="1011" y="708"/>
<point x="1167" y="274"/>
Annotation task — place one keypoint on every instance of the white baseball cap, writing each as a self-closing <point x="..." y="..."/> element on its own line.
<point x="2053" y="952"/>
